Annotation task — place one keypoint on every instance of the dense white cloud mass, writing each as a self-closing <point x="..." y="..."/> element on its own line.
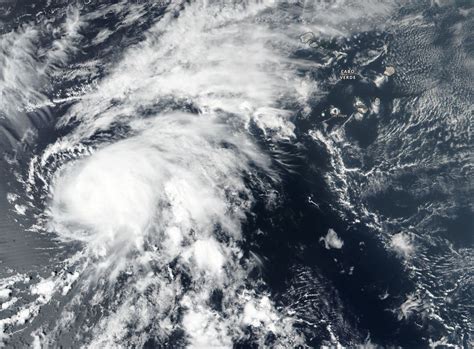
<point x="177" y="170"/>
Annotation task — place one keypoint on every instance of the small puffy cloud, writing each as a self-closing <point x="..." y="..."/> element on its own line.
<point x="331" y="240"/>
<point x="5" y="293"/>
<point x="402" y="244"/>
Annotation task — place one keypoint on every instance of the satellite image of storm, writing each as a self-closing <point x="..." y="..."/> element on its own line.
<point x="236" y="174"/>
